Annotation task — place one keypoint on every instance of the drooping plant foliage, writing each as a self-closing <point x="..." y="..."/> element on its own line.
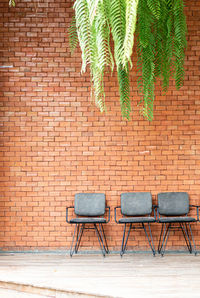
<point x="159" y="27"/>
<point x="12" y="3"/>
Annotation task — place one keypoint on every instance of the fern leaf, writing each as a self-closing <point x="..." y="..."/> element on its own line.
<point x="148" y="69"/>
<point x="84" y="31"/>
<point x="92" y="7"/>
<point x="118" y="28"/>
<point x="154" y="6"/>
<point x="106" y="4"/>
<point x="163" y="30"/>
<point x="97" y="72"/>
<point x="103" y="39"/>
<point x="146" y="58"/>
<point x="101" y="53"/>
<point x="124" y="89"/>
<point x="167" y="64"/>
<point x="73" y="36"/>
<point x="12" y="3"/>
<point x="131" y="14"/>
<point x="168" y="3"/>
<point x="98" y="89"/>
<point x="145" y="20"/>
<point x="180" y="42"/>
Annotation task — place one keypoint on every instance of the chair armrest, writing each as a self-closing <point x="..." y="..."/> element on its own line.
<point x="115" y="214"/>
<point x="197" y="209"/>
<point x="71" y="207"/>
<point x="108" y="214"/>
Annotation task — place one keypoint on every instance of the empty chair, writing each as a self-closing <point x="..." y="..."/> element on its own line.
<point x="136" y="208"/>
<point x="172" y="212"/>
<point x="89" y="209"/>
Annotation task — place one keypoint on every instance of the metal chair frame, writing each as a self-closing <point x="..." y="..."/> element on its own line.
<point x="79" y="229"/>
<point x="182" y="226"/>
<point x="134" y="226"/>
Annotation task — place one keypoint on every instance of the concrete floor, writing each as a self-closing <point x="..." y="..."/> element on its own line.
<point x="134" y="275"/>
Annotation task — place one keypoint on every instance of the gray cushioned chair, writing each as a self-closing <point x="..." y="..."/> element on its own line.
<point x="89" y="209"/>
<point x="172" y="212"/>
<point x="136" y="208"/>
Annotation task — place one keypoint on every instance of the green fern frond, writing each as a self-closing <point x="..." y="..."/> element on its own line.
<point x="148" y="69"/>
<point x="160" y="29"/>
<point x="106" y="4"/>
<point x="84" y="31"/>
<point x="12" y="3"/>
<point x="168" y="3"/>
<point x="146" y="58"/>
<point x="103" y="39"/>
<point x="73" y="36"/>
<point x="180" y="42"/>
<point x="163" y="30"/>
<point x="154" y="6"/>
<point x="101" y="54"/>
<point x="97" y="70"/>
<point x="145" y="19"/>
<point x="92" y="7"/>
<point x="124" y="89"/>
<point x="87" y="34"/>
<point x="167" y="64"/>
<point x="98" y="89"/>
<point x="118" y="28"/>
<point x="148" y="101"/>
<point x="131" y="14"/>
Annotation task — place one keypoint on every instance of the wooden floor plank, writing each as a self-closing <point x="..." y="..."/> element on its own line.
<point x="134" y="275"/>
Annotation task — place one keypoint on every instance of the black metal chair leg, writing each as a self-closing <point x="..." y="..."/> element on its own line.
<point x="162" y="236"/>
<point x="100" y="241"/>
<point x="71" y="248"/>
<point x="124" y="248"/>
<point x="195" y="251"/>
<point x="186" y="238"/>
<point x="104" y="235"/>
<point x="151" y="239"/>
<point x="150" y="242"/>
<point x="186" y="226"/>
<point x="79" y="236"/>
<point x="165" y="232"/>
<point x="165" y="240"/>
<point x="104" y="241"/>
<point x="159" y="244"/>
<point x="101" y="238"/>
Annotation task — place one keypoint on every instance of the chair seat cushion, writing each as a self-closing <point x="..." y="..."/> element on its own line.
<point x="136" y="219"/>
<point x="177" y="219"/>
<point x="88" y="220"/>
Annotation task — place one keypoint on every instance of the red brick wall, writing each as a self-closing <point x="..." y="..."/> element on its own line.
<point x="54" y="142"/>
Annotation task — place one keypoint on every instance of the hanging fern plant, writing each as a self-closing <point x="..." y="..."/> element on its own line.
<point x="160" y="30"/>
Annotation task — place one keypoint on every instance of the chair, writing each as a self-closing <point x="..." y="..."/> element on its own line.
<point x="136" y="208"/>
<point x="172" y="212"/>
<point x="89" y="209"/>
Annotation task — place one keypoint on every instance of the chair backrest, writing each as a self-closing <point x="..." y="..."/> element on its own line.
<point x="136" y="203"/>
<point x="173" y="203"/>
<point x="89" y="204"/>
